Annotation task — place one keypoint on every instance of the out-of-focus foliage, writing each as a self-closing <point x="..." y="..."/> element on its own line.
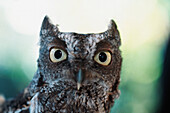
<point x="143" y="25"/>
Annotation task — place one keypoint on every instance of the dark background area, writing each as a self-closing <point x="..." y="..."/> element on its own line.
<point x="165" y="82"/>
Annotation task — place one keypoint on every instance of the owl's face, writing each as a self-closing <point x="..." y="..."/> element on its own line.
<point x="82" y="61"/>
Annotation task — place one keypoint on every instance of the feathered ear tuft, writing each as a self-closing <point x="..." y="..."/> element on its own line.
<point x="47" y="28"/>
<point x="112" y="26"/>
<point x="46" y="24"/>
<point x="113" y="31"/>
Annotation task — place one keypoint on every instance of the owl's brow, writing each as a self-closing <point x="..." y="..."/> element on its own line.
<point x="65" y="36"/>
<point x="104" y="46"/>
<point x="51" y="45"/>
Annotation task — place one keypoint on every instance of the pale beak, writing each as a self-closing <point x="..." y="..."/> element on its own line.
<point x="79" y="77"/>
<point x="78" y="86"/>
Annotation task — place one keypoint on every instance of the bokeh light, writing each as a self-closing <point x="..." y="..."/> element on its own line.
<point x="143" y="25"/>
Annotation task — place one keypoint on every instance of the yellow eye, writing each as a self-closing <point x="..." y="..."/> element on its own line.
<point x="103" y="58"/>
<point x="57" y="55"/>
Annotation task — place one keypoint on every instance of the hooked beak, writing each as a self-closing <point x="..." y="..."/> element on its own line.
<point x="80" y="77"/>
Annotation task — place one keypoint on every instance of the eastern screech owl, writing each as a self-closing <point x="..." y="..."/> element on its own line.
<point x="76" y="73"/>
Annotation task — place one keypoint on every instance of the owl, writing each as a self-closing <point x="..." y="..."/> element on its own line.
<point x="77" y="73"/>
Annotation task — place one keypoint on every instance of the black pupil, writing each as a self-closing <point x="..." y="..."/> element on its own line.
<point x="102" y="57"/>
<point x="58" y="54"/>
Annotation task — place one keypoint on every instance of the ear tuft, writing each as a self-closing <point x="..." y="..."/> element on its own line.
<point x="113" y="31"/>
<point x="46" y="24"/>
<point x="112" y="25"/>
<point x="47" y="28"/>
<point x="112" y="28"/>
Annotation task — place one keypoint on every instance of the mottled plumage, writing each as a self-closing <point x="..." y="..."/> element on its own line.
<point x="76" y="73"/>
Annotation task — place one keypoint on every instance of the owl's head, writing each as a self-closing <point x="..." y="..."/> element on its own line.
<point x="82" y="60"/>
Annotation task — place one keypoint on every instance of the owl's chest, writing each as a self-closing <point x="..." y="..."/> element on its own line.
<point x="68" y="100"/>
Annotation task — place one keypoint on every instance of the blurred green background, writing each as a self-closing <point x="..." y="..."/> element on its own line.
<point x="143" y="25"/>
